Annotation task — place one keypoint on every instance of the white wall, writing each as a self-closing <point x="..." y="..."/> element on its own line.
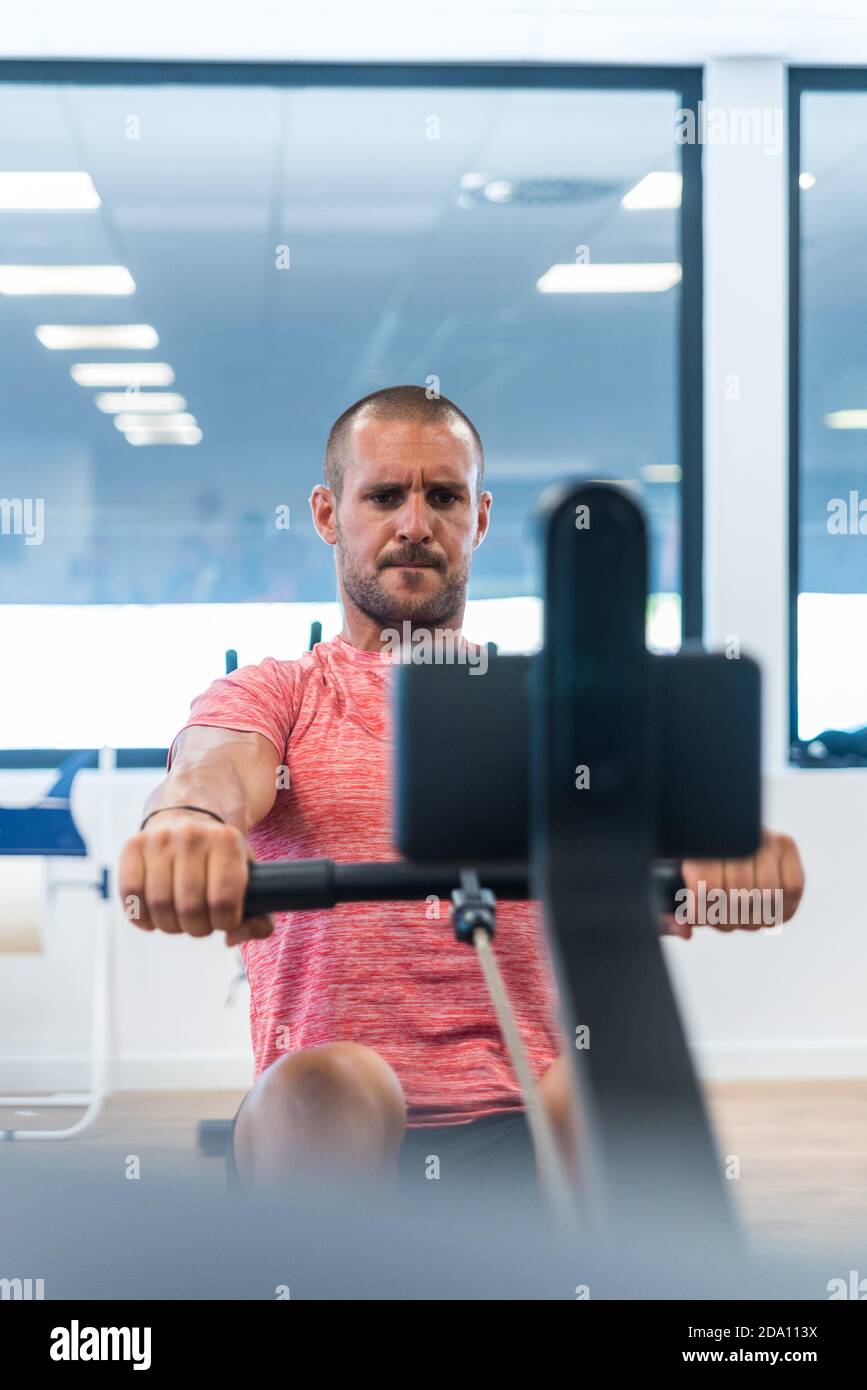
<point x="173" y="1028"/>
<point x="791" y="1004"/>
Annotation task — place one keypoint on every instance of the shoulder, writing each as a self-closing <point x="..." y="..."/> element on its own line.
<point x="269" y="674"/>
<point x="268" y="685"/>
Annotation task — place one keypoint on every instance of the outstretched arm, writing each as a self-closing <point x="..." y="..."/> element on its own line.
<point x="185" y="872"/>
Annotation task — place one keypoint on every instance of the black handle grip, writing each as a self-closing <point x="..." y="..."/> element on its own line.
<point x="293" y="885"/>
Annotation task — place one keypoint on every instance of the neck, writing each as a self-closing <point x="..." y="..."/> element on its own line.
<point x="369" y="635"/>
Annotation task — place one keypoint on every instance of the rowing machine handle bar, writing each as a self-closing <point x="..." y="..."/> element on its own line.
<point x="293" y="885"/>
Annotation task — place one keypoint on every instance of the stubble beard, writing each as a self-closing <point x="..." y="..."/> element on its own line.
<point x="369" y="594"/>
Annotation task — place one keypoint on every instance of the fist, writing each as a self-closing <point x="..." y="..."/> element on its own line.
<point x="718" y="889"/>
<point x="185" y="873"/>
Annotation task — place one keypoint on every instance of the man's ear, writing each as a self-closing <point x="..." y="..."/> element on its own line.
<point x="323" y="508"/>
<point x="483" y="518"/>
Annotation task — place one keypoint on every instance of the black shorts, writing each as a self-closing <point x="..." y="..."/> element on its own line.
<point x="494" y="1152"/>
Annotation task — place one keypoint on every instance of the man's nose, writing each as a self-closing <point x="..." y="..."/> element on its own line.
<point x="414" y="520"/>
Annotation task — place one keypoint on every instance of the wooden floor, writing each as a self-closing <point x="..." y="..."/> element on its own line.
<point x="800" y="1149"/>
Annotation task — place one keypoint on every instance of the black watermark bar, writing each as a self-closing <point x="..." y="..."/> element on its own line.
<point x="152" y="1338"/>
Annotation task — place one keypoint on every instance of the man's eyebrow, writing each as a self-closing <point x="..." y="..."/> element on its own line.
<point x="445" y="484"/>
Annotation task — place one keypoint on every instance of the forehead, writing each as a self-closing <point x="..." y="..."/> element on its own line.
<point x="410" y="446"/>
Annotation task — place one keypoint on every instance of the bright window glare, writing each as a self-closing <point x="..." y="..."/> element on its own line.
<point x="124" y="675"/>
<point x="655" y="190"/>
<point x="663" y="622"/>
<point x="40" y="190"/>
<point x="583" y="277"/>
<point x="515" y="624"/>
<point x="832" y="662"/>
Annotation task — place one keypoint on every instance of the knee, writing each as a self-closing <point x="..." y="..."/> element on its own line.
<point x="555" y="1089"/>
<point x="340" y="1076"/>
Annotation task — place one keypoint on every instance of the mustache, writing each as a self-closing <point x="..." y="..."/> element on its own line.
<point x="406" y="557"/>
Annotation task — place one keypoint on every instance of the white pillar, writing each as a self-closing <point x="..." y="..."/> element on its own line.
<point x="746" y="375"/>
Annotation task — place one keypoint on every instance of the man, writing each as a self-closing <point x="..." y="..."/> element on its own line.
<point x="375" y="1043"/>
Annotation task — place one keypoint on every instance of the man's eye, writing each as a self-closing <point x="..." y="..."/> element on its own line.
<point x="442" y="496"/>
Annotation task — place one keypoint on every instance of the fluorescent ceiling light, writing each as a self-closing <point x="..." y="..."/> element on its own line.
<point x="499" y="191"/>
<point x="188" y="435"/>
<point x="156" y="403"/>
<point x="806" y="180"/>
<point x="122" y="374"/>
<point x="847" y="420"/>
<point x="132" y="421"/>
<point x="473" y="180"/>
<point x="661" y="473"/>
<point x="65" y="279"/>
<point x="618" y="278"/>
<point x="53" y="191"/>
<point x="656" y="190"/>
<point x="80" y="337"/>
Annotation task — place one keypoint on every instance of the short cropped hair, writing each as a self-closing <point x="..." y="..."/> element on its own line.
<point x="395" y="403"/>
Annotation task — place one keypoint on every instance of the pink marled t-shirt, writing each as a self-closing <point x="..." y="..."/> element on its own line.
<point x="383" y="974"/>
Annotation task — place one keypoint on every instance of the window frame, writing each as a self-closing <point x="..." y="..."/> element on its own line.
<point x="686" y="83"/>
<point x="801" y="80"/>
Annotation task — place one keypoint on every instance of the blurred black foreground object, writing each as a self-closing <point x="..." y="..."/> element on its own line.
<point x="592" y="760"/>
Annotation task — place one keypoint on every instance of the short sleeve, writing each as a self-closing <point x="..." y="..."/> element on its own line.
<point x="254" y="699"/>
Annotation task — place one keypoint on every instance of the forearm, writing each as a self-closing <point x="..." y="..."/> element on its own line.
<point x="225" y="776"/>
<point x="184" y="872"/>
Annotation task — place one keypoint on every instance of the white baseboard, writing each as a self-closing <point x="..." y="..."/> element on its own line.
<point x="194" y="1071"/>
<point x="803" y="1060"/>
<point x="186" y="1071"/>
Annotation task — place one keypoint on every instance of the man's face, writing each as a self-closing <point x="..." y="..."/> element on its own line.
<point x="408" y="520"/>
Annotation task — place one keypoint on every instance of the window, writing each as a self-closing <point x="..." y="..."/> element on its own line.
<point x="829" y="417"/>
<point x="265" y="250"/>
